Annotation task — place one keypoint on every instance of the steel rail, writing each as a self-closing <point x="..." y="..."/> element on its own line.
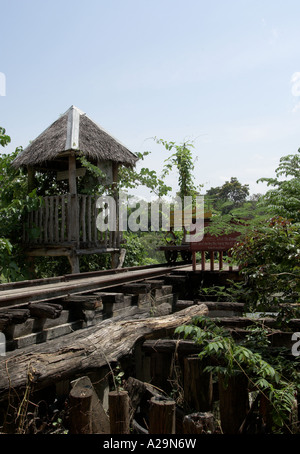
<point x="53" y="288"/>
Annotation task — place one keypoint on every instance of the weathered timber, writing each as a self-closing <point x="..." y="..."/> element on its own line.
<point x="198" y="385"/>
<point x="224" y="305"/>
<point x="119" y="412"/>
<point x="88" y="302"/>
<point x="13" y="317"/>
<point x="199" y="423"/>
<point x="80" y="419"/>
<point x="136" y="288"/>
<point x="78" y="285"/>
<point x="93" y="347"/>
<point x="243" y="322"/>
<point x="45" y="310"/>
<point x="234" y="402"/>
<point x="170" y="346"/>
<point x="99" y="419"/>
<point x="161" y="416"/>
<point x="140" y="394"/>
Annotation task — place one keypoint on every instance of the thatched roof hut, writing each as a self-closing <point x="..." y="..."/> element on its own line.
<point x="73" y="132"/>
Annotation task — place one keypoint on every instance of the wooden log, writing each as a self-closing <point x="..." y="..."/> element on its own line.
<point x="234" y="402"/>
<point x="199" y="423"/>
<point x="161" y="416"/>
<point x="87" y="349"/>
<point x="99" y="419"/>
<point x="80" y="421"/>
<point x="140" y="394"/>
<point x="119" y="416"/>
<point x="170" y="346"/>
<point x="198" y="385"/>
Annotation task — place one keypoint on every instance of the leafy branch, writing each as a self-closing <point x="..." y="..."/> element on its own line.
<point x="232" y="358"/>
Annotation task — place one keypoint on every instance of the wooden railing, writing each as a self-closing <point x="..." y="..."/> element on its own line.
<point x="68" y="219"/>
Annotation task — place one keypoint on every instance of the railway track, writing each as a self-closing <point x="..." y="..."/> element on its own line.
<point x="36" y="311"/>
<point x="19" y="294"/>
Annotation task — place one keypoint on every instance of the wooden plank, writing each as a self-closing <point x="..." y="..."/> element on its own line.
<point x="51" y="220"/>
<point x="15" y="297"/>
<point x="95" y="212"/>
<point x="211" y="258"/>
<point x="46" y="200"/>
<point x="69" y="214"/>
<point x="220" y="260"/>
<point x="83" y="217"/>
<point x="215" y="243"/>
<point x="41" y="226"/>
<point x="63" y="219"/>
<point x="64" y="175"/>
<point x="56" y="219"/>
<point x="89" y="218"/>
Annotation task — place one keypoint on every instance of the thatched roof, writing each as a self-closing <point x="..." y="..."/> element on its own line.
<point x="74" y="130"/>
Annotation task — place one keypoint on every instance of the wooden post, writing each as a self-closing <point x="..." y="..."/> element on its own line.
<point x="198" y="385"/>
<point x="31" y="179"/>
<point x="194" y="260"/>
<point x="234" y="402"/>
<point x="74" y="263"/>
<point x="74" y="209"/>
<point x="115" y="176"/>
<point x="220" y="260"/>
<point x="229" y="261"/>
<point x="199" y="423"/>
<point x="203" y="260"/>
<point x="118" y="402"/>
<point x="80" y="410"/>
<point x="211" y="256"/>
<point x="161" y="416"/>
<point x="99" y="419"/>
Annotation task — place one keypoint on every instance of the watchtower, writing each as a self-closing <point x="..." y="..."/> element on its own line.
<point x="65" y="224"/>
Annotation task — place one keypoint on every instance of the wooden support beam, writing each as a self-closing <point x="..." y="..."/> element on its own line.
<point x="80" y="421"/>
<point x="119" y="412"/>
<point x="234" y="402"/>
<point x="99" y="419"/>
<point x="161" y="416"/>
<point x="198" y="385"/>
<point x="88" y="349"/>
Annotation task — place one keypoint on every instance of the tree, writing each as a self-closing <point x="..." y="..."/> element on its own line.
<point x="4" y="138"/>
<point x="284" y="198"/>
<point x="232" y="194"/>
<point x="11" y="189"/>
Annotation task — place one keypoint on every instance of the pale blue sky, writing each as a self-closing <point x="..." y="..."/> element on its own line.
<point x="218" y="72"/>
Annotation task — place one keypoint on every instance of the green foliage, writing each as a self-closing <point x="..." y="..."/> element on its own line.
<point x="230" y="358"/>
<point x="14" y="201"/>
<point x="182" y="160"/>
<point x="284" y="198"/>
<point x="4" y="138"/>
<point x="269" y="260"/>
<point x="232" y="194"/>
<point x="130" y="178"/>
<point x="136" y="252"/>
